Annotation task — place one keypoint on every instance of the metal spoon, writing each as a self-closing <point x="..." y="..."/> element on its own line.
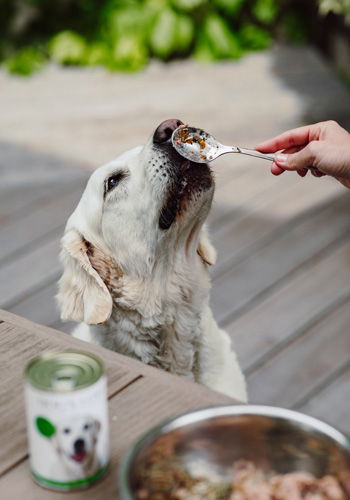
<point x="197" y="145"/>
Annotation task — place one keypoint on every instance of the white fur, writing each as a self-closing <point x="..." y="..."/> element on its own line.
<point x="145" y="290"/>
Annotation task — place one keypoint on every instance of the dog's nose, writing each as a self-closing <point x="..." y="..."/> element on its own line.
<point x="165" y="130"/>
<point x="79" y="445"/>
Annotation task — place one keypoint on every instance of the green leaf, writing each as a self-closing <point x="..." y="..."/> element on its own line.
<point x="203" y="51"/>
<point x="98" y="54"/>
<point x="163" y="37"/>
<point x="45" y="427"/>
<point x="68" y="48"/>
<point x="184" y="32"/>
<point x="231" y="7"/>
<point x="224" y="43"/>
<point x="25" y="62"/>
<point x="188" y="5"/>
<point x="126" y="21"/>
<point x="265" y="11"/>
<point x="254" y="38"/>
<point x="129" y="54"/>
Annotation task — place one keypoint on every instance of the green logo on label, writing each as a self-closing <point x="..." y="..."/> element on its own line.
<point x="45" y="427"/>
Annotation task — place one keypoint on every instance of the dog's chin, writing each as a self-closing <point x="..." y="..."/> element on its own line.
<point x="190" y="185"/>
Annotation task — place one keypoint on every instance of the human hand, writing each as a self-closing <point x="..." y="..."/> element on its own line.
<point x="325" y="146"/>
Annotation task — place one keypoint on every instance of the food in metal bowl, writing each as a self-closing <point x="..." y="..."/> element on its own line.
<point x="241" y="452"/>
<point x="163" y="479"/>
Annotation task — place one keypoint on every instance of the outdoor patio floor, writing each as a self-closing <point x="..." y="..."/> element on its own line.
<point x="281" y="286"/>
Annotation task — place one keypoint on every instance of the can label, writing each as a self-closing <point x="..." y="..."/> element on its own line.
<point x="68" y="435"/>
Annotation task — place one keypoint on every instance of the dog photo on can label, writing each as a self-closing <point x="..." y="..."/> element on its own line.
<point x="74" y="446"/>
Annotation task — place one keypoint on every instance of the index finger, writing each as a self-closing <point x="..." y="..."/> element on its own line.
<point x="295" y="137"/>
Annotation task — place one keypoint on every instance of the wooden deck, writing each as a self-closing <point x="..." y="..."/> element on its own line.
<point x="281" y="286"/>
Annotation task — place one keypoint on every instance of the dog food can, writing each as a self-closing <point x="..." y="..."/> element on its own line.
<point x="67" y="419"/>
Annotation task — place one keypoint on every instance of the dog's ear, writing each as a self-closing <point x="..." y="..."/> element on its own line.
<point x="82" y="295"/>
<point x="205" y="249"/>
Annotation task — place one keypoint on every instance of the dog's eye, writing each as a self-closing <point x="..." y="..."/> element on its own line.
<point x="113" y="181"/>
<point x="66" y="430"/>
<point x="86" y="427"/>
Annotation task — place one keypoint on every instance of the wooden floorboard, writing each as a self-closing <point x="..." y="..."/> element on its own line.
<point x="294" y="307"/>
<point x="30" y="271"/>
<point x="38" y="221"/>
<point x="308" y="362"/>
<point x="39" y="306"/>
<point x="247" y="281"/>
<point x="332" y="403"/>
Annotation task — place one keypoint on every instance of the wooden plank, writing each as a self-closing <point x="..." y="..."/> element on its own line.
<point x="136" y="409"/>
<point x="306" y="364"/>
<point x="49" y="216"/>
<point x="39" y="306"/>
<point x="272" y="212"/>
<point x="29" y="271"/>
<point x="274" y="321"/>
<point x="272" y="198"/>
<point x="332" y="403"/>
<point x="20" y="345"/>
<point x="237" y="193"/>
<point x="17" y="198"/>
<point x="244" y="282"/>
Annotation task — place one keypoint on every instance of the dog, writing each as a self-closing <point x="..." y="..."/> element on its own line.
<point x="74" y="443"/>
<point x="135" y="257"/>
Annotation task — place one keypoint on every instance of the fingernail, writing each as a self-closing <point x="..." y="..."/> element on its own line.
<point x="281" y="159"/>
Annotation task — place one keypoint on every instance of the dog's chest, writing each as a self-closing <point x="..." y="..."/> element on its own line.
<point x="168" y="340"/>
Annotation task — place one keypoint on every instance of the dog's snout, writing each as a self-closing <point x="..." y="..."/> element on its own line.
<point x="79" y="445"/>
<point x="164" y="131"/>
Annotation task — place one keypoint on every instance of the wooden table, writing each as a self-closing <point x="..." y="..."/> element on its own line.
<point x="139" y="398"/>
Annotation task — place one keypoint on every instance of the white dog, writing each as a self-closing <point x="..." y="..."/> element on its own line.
<point x="135" y="256"/>
<point x="75" y="446"/>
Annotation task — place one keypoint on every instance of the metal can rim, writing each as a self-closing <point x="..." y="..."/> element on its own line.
<point x="54" y="355"/>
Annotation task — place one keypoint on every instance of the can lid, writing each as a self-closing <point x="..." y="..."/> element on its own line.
<point x="64" y="371"/>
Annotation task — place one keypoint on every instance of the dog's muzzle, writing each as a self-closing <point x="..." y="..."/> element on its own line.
<point x="186" y="181"/>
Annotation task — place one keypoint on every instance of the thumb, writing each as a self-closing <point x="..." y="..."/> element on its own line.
<point x="306" y="157"/>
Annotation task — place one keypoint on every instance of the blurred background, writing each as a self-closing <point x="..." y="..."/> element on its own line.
<point x="83" y="80"/>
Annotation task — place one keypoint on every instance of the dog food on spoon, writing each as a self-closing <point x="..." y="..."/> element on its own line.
<point x="198" y="146"/>
<point x="67" y="419"/>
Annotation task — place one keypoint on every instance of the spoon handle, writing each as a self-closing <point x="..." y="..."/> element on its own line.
<point x="265" y="156"/>
<point x="257" y="154"/>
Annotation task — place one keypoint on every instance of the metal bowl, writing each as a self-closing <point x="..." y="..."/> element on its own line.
<point x="206" y="442"/>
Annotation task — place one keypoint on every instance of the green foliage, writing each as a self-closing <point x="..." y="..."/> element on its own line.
<point x="221" y="39"/>
<point x="128" y="54"/>
<point x="68" y="48"/>
<point x="230" y="7"/>
<point x="265" y="11"/>
<point x="123" y="35"/>
<point x="254" y="38"/>
<point x="294" y="27"/>
<point x="26" y="61"/>
<point x="163" y="36"/>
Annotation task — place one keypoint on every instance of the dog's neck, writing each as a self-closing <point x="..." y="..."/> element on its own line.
<point x="156" y="319"/>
